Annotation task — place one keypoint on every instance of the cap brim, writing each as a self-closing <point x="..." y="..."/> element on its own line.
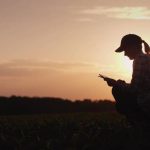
<point x="120" y="49"/>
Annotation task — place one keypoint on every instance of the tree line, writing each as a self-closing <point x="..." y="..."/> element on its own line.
<point x="15" y="105"/>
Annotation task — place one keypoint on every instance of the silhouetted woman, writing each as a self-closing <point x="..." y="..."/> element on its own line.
<point x="133" y="99"/>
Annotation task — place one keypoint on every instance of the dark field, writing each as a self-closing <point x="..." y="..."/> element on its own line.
<point x="76" y="131"/>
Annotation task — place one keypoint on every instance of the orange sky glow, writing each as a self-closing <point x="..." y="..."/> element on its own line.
<point x="57" y="48"/>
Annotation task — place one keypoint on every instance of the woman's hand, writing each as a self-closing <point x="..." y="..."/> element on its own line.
<point x="121" y="82"/>
<point x="110" y="82"/>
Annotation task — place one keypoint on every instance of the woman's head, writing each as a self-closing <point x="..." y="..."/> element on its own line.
<point x="131" y="44"/>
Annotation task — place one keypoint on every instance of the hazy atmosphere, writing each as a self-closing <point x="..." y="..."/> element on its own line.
<point x="58" y="47"/>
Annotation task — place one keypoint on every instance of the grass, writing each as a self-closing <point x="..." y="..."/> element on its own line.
<point x="76" y="131"/>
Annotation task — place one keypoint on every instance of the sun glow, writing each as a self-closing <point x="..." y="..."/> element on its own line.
<point x="124" y="68"/>
<point x="127" y="64"/>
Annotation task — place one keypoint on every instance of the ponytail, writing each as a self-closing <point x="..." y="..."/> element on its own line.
<point x="146" y="47"/>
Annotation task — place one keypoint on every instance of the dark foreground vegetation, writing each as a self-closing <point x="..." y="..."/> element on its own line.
<point x="37" y="105"/>
<point x="74" y="131"/>
<point x="58" y="124"/>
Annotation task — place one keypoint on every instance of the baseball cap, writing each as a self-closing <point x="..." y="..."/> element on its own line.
<point x="127" y="40"/>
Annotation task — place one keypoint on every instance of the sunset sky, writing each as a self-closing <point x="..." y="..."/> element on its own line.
<point x="57" y="48"/>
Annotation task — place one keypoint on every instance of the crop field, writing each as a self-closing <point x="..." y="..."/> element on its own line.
<point x="74" y="131"/>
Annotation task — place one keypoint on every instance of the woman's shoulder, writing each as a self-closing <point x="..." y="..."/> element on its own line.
<point x="142" y="59"/>
<point x="146" y="57"/>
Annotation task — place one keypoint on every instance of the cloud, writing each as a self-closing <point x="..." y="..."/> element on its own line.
<point x="137" y="13"/>
<point x="84" y="20"/>
<point x="24" y="68"/>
